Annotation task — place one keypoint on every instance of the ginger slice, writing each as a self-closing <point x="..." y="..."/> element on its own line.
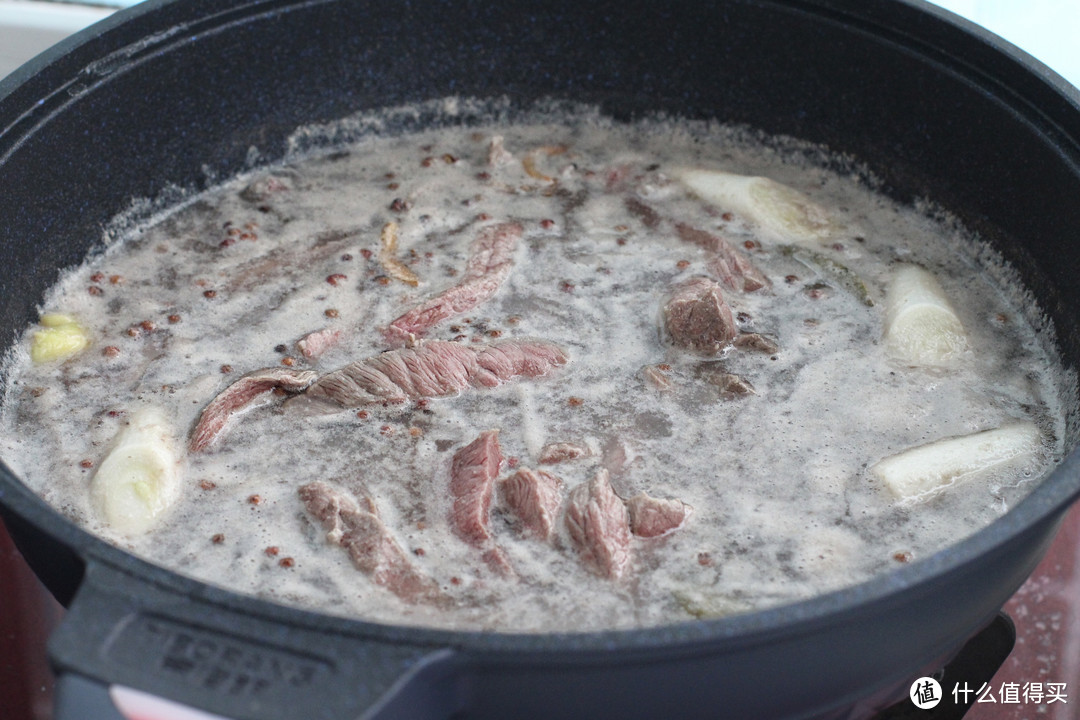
<point x="388" y="242"/>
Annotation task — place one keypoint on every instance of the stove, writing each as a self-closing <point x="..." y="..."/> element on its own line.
<point x="944" y="695"/>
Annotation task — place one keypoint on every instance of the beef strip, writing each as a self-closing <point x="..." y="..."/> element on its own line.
<point x="698" y="318"/>
<point x="617" y="455"/>
<point x="325" y="504"/>
<point x="434" y="368"/>
<point x="472" y="481"/>
<point x="561" y="452"/>
<point x="429" y="370"/>
<point x="241" y="395"/>
<point x="291" y="260"/>
<point x="736" y="272"/>
<point x="516" y="358"/>
<point x="372" y="548"/>
<point x="652" y="517"/>
<point x="534" y="496"/>
<point x="488" y="266"/>
<point x="599" y="525"/>
<point x="492" y="250"/>
<point x="730" y="264"/>
<point x="456" y="300"/>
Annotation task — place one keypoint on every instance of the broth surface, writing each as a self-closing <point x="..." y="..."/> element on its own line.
<point x="783" y="504"/>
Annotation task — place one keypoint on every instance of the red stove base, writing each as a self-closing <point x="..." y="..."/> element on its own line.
<point x="28" y="613"/>
<point x="1046" y="612"/>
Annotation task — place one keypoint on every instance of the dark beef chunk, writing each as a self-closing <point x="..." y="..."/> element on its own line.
<point x="698" y="318"/>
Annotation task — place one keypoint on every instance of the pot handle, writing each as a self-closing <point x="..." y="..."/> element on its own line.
<point x="130" y="650"/>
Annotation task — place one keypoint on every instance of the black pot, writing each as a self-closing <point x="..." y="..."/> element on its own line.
<point x="173" y="93"/>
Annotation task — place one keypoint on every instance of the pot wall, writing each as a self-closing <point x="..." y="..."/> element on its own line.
<point x="171" y="97"/>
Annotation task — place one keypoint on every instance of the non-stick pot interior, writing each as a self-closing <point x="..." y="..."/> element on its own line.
<point x="172" y="97"/>
<point x="182" y="95"/>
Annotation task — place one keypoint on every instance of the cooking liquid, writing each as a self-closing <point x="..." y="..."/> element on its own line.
<point x="783" y="505"/>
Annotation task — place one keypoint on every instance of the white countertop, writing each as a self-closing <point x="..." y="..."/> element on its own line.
<point x="28" y="27"/>
<point x="1047" y="29"/>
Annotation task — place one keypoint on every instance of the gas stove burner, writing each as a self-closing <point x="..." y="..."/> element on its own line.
<point x="962" y="678"/>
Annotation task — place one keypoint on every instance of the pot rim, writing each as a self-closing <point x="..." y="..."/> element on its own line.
<point x="1045" y="504"/>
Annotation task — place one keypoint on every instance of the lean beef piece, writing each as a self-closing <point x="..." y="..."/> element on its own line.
<point x="241" y="395"/>
<point x="434" y="368"/>
<point x="490" y="260"/>
<point x="698" y="318"/>
<point x="372" y="548"/>
<point x="733" y="266"/>
<point x="472" y="481"/>
<point x="315" y="344"/>
<point x="599" y="525"/>
<point x="758" y="342"/>
<point x="730" y="385"/>
<point x="534" y="496"/>
<point x="653" y="517"/>
<point x="561" y="452"/>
